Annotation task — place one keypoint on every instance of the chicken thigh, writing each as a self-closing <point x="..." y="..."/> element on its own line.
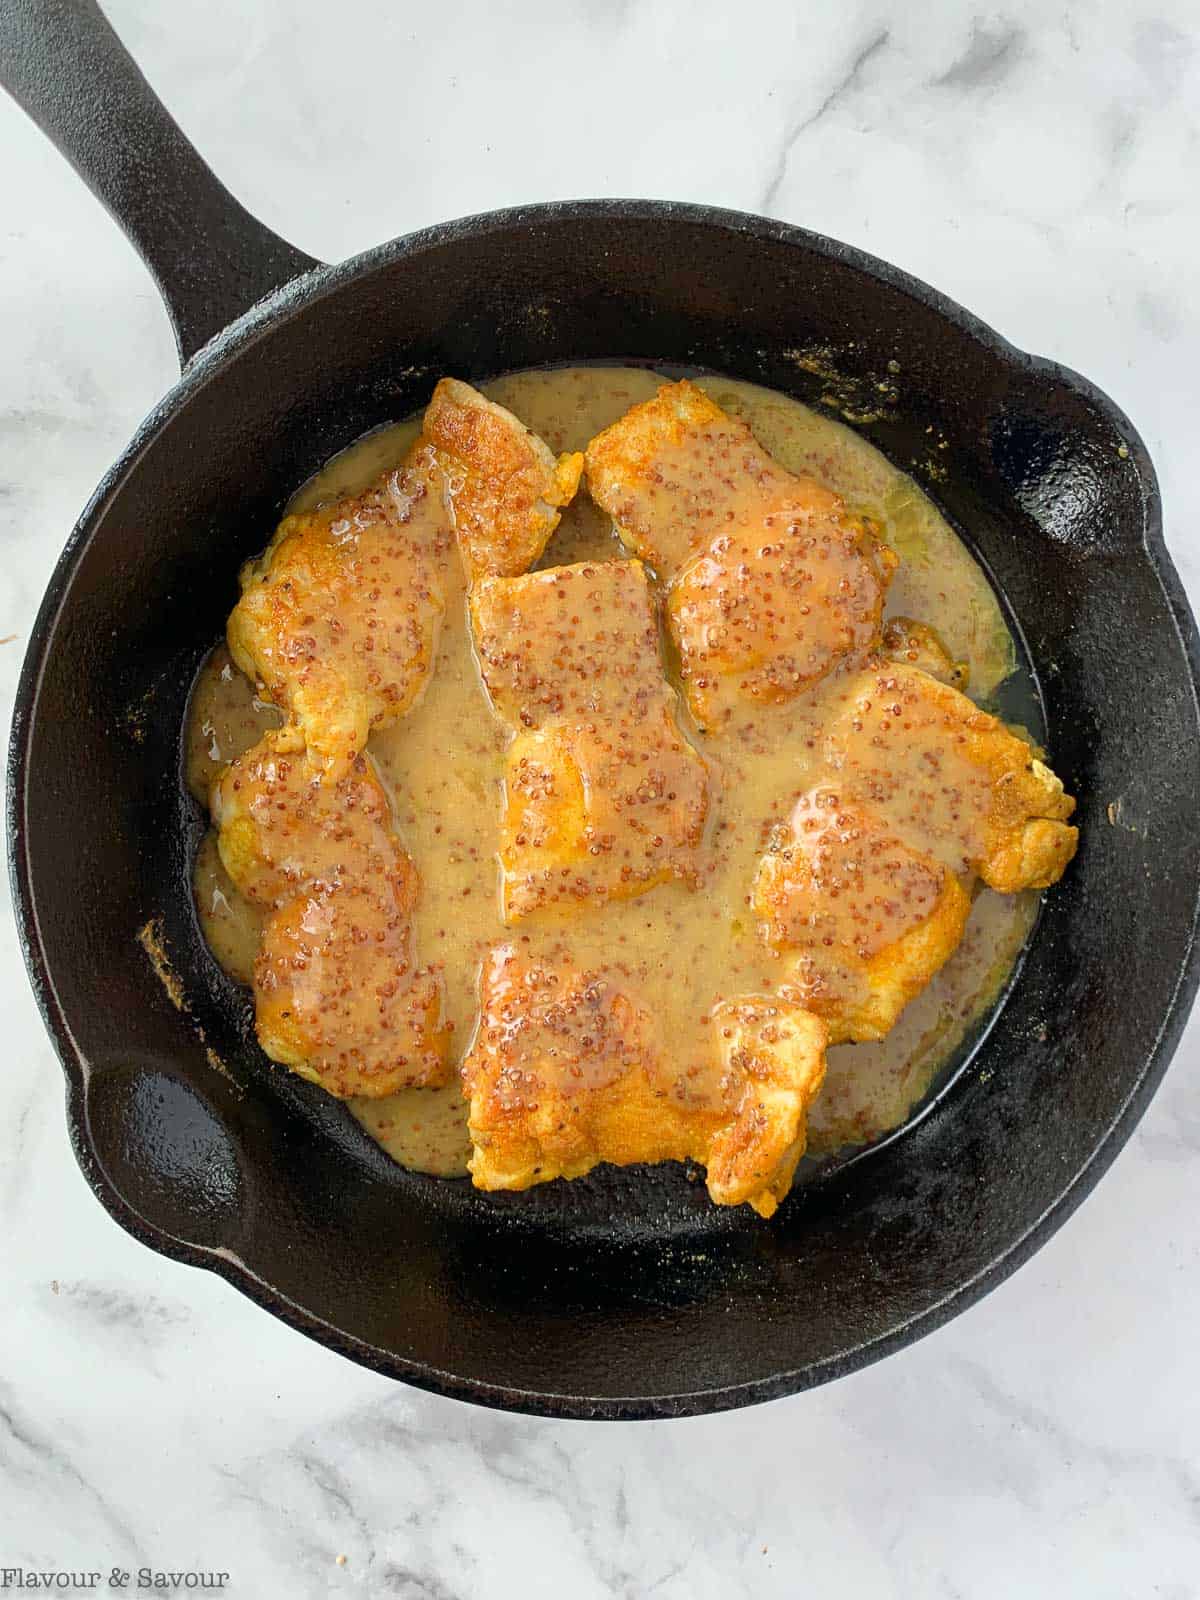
<point x="568" y="1070"/>
<point x="604" y="797"/>
<point x="770" y="582"/>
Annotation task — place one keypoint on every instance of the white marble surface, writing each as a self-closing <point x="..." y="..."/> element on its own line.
<point x="1037" y="162"/>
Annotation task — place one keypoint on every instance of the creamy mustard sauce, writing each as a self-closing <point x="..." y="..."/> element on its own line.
<point x="684" y="948"/>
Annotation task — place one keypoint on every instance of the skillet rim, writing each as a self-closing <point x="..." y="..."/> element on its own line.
<point x="259" y="321"/>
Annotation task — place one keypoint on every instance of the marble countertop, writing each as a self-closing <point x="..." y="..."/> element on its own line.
<point x="1039" y="164"/>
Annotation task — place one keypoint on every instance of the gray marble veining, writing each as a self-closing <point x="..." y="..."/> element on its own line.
<point x="1039" y="164"/>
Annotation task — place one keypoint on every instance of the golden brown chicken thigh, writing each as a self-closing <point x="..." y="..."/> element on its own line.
<point x="951" y="779"/>
<point x="505" y="486"/>
<point x="866" y="920"/>
<point x="604" y="797"/>
<point x="567" y="1070"/>
<point x="284" y="825"/>
<point x="865" y="888"/>
<point x="338" y="619"/>
<point x="340" y="1000"/>
<point x="771" y="583"/>
<point x="338" y="995"/>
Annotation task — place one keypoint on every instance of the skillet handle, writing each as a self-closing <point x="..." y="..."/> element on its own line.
<point x="63" y="64"/>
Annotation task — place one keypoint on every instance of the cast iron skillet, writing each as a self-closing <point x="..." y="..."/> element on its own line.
<point x="625" y="1295"/>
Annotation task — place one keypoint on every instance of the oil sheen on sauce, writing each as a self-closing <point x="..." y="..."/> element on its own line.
<point x="685" y="948"/>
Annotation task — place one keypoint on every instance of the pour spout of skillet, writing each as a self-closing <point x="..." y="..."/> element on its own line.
<point x="63" y="64"/>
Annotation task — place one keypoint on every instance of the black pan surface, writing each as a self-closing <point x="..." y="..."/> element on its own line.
<point x="625" y="1294"/>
